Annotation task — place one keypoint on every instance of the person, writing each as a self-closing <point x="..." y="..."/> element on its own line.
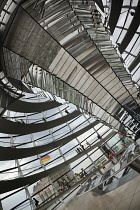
<point x="66" y="184"/>
<point x="122" y="134"/>
<point x="110" y="155"/>
<point x="67" y="112"/>
<point x="138" y="95"/>
<point x="78" y="175"/>
<point x="13" y="146"/>
<point x="83" y="173"/>
<point x="99" y="137"/>
<point x="137" y="136"/>
<point x="101" y="165"/>
<point x="84" y="1"/>
<point x="132" y="13"/>
<point x="78" y="150"/>
<point x="64" y="181"/>
<point x="82" y="147"/>
<point x="105" y="21"/>
<point x="36" y="201"/>
<point x="124" y="146"/>
<point x="106" y="150"/>
<point x="61" y="185"/>
<point x="44" y="119"/>
<point x="88" y="143"/>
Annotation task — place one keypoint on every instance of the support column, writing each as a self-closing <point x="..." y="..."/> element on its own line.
<point x="1" y="208"/>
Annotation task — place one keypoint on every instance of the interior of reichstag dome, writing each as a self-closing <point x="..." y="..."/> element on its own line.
<point x="70" y="104"/>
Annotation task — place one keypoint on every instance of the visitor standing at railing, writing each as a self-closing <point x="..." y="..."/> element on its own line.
<point x="83" y="173"/>
<point x="36" y="202"/>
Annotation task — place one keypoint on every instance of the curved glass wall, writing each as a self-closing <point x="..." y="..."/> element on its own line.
<point x="66" y="96"/>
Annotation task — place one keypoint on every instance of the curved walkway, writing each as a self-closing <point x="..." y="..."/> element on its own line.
<point x="8" y="153"/>
<point x="28" y="107"/>
<point x="9" y="127"/>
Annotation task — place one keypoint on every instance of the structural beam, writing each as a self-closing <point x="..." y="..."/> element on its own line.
<point x="131" y="30"/>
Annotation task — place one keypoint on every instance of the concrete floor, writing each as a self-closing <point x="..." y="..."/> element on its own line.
<point x="126" y="197"/>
